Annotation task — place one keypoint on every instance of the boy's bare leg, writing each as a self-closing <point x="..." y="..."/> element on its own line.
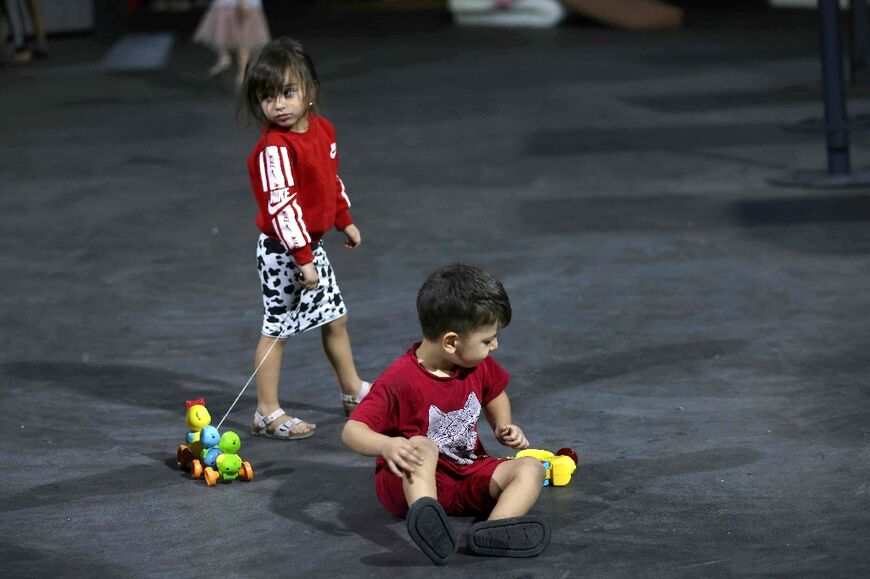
<point x="421" y="483"/>
<point x="516" y="485"/>
<point x="268" y="375"/>
<point x="336" y="344"/>
<point x="426" y="520"/>
<point x="509" y="532"/>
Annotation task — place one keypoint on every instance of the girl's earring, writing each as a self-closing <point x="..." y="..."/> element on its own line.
<point x="311" y="104"/>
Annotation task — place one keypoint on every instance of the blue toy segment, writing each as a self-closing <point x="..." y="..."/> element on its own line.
<point x="209" y="456"/>
<point x="209" y="436"/>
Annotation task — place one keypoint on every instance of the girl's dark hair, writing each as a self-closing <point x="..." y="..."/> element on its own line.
<point x="461" y="298"/>
<point x="267" y="71"/>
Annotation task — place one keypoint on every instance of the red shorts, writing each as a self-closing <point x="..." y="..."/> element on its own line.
<point x="460" y="494"/>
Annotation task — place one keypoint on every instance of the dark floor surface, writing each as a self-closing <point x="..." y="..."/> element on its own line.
<point x="699" y="336"/>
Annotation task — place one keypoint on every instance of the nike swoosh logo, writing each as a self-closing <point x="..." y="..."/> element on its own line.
<point x="279" y="199"/>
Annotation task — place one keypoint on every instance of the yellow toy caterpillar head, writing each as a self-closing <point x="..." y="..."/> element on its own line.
<point x="197" y="415"/>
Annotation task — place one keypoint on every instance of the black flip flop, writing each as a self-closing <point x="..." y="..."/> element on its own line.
<point x="514" y="537"/>
<point x="429" y="528"/>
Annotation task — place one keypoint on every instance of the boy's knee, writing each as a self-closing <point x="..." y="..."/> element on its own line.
<point x="425" y="446"/>
<point x="529" y="468"/>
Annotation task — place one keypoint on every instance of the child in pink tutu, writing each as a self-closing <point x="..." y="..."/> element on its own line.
<point x="233" y="25"/>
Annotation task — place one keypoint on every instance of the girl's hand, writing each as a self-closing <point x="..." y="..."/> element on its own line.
<point x="511" y="435"/>
<point x="401" y="456"/>
<point x="309" y="275"/>
<point x="353" y="236"/>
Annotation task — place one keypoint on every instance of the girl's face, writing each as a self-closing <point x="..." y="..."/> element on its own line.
<point x="289" y="108"/>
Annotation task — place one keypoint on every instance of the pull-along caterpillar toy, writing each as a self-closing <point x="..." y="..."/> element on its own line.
<point x="208" y="453"/>
<point x="559" y="466"/>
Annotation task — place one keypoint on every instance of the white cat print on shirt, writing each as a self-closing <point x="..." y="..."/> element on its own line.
<point x="454" y="432"/>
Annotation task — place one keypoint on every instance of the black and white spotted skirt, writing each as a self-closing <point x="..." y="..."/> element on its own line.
<point x="289" y="308"/>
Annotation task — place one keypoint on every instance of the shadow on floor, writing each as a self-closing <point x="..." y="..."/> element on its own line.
<point x="137" y="386"/>
<point x="830" y="224"/>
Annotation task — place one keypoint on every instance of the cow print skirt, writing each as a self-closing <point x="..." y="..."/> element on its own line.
<point x="288" y="307"/>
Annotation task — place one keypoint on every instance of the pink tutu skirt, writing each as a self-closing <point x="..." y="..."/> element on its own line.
<point x="230" y="28"/>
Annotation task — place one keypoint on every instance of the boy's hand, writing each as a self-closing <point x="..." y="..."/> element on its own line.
<point x="353" y="236"/>
<point x="511" y="435"/>
<point x="309" y="275"/>
<point x="401" y="456"/>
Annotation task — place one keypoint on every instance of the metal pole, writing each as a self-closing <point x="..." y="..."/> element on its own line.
<point x="834" y="87"/>
<point x="860" y="53"/>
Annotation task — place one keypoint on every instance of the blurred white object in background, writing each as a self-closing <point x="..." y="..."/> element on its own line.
<point x="507" y="13"/>
<point x="844" y="4"/>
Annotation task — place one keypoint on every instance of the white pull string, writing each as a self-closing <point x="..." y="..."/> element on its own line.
<point x="269" y="351"/>
<point x="245" y="387"/>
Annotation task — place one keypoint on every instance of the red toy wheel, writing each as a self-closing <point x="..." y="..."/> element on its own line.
<point x="569" y="452"/>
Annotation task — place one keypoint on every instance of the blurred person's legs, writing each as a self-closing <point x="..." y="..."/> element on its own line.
<point x="36" y="15"/>
<point x="6" y="51"/>
<point x="15" y="16"/>
<point x="218" y="30"/>
<point x="224" y="61"/>
<point x="244" y="56"/>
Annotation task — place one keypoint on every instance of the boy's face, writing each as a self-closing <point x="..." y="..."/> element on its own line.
<point x="474" y="347"/>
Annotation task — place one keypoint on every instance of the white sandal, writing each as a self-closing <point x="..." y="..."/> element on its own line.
<point x="259" y="427"/>
<point x="350" y="401"/>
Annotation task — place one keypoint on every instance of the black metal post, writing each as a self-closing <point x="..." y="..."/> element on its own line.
<point x="860" y="42"/>
<point x="834" y="87"/>
<point x="836" y="124"/>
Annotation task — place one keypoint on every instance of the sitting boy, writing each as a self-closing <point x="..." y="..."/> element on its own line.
<point x="420" y="420"/>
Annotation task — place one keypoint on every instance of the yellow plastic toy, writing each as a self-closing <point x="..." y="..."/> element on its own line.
<point x="197" y="418"/>
<point x="559" y="466"/>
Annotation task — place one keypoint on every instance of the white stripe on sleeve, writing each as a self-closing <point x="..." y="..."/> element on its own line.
<point x="290" y="228"/>
<point x="298" y="213"/>
<point x="287" y="170"/>
<point x="263" y="181"/>
<point x="277" y="175"/>
<point x="274" y="168"/>
<point x="343" y="191"/>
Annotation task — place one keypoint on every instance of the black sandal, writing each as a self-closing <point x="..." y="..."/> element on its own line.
<point x="429" y="528"/>
<point x="514" y="537"/>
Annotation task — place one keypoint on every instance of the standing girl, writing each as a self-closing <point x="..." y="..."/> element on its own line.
<point x="293" y="171"/>
<point x="233" y="25"/>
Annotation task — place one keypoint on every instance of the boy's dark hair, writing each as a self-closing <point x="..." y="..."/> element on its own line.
<point x="266" y="73"/>
<point x="461" y="298"/>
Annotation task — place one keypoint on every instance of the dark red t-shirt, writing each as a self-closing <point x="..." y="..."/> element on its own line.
<point x="407" y="400"/>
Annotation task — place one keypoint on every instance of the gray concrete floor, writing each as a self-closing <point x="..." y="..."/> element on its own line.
<point x="699" y="336"/>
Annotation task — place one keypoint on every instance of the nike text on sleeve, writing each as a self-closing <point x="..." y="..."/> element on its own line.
<point x="289" y="226"/>
<point x="276" y="177"/>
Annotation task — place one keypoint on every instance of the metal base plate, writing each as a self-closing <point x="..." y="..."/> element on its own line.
<point x="819" y="125"/>
<point x="822" y="180"/>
